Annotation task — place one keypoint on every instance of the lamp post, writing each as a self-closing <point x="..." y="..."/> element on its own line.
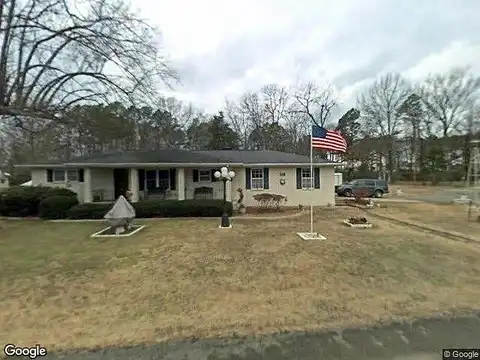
<point x="225" y="175"/>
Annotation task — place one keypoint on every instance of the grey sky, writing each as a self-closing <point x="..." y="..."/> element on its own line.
<point x="223" y="48"/>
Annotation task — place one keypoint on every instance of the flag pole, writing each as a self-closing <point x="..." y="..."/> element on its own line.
<point x="311" y="179"/>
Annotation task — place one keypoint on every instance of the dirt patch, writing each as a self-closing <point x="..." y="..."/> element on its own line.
<point x="187" y="278"/>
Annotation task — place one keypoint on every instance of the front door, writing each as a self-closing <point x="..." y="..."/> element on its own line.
<point x="120" y="180"/>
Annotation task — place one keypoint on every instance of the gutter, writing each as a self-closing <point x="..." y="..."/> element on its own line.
<point x="185" y="165"/>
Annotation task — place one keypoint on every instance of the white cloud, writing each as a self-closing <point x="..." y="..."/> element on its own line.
<point x="223" y="48"/>
<point x="457" y="54"/>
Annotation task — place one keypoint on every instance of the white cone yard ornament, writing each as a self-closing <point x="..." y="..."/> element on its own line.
<point x="120" y="215"/>
<point x="119" y="219"/>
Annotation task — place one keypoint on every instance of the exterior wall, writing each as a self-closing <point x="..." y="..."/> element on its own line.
<point x="190" y="186"/>
<point x="102" y="182"/>
<point x="321" y="197"/>
<point x="39" y="178"/>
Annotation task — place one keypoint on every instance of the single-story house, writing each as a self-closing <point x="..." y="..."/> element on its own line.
<point x="183" y="174"/>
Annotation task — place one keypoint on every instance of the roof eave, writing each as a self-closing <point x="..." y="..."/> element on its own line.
<point x="188" y="165"/>
<point x="122" y="165"/>
<point x="293" y="164"/>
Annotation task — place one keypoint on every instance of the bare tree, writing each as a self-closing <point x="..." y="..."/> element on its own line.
<point x="379" y="107"/>
<point x="276" y="102"/>
<point x="54" y="55"/>
<point x="239" y="121"/>
<point x="253" y="109"/>
<point x="314" y="102"/>
<point x="448" y="97"/>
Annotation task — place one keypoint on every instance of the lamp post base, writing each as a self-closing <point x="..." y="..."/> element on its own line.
<point x="225" y="221"/>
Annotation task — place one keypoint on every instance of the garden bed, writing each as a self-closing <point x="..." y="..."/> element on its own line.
<point x="358" y="222"/>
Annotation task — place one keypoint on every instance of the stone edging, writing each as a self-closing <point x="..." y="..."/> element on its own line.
<point x="297" y="214"/>
<point x="233" y="218"/>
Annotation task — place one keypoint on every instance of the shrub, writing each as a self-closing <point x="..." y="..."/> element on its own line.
<point x="156" y="208"/>
<point x="360" y="196"/>
<point x="24" y="200"/>
<point x="89" y="211"/>
<point x="268" y="201"/>
<point x="56" y="207"/>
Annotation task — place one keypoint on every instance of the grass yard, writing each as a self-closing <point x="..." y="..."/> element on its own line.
<point x="187" y="278"/>
<point x="450" y="217"/>
<point x="413" y="189"/>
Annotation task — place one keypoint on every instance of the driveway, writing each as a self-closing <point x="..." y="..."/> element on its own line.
<point x="419" y="340"/>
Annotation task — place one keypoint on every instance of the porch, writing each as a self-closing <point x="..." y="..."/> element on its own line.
<point x="105" y="185"/>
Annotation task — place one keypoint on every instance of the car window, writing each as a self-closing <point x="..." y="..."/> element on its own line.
<point x="369" y="183"/>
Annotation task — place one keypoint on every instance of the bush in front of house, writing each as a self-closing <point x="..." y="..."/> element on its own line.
<point x="156" y="209"/>
<point x="56" y="207"/>
<point x="89" y="211"/>
<point x="269" y="202"/>
<point x="21" y="201"/>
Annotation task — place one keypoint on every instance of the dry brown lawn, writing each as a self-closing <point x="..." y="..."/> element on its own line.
<point x="184" y="278"/>
<point x="450" y="217"/>
<point x="412" y="189"/>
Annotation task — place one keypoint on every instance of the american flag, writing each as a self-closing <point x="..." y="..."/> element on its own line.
<point x="327" y="139"/>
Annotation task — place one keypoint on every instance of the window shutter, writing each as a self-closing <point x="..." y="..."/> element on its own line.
<point x="266" y="180"/>
<point x="195" y="175"/>
<point x="80" y="175"/>
<point x="173" y="179"/>
<point x="49" y="175"/>
<point x="248" y="178"/>
<point x="299" y="178"/>
<point x="141" y="179"/>
<point x="212" y="175"/>
<point x="316" y="178"/>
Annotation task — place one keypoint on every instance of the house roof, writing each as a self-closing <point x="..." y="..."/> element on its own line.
<point x="186" y="157"/>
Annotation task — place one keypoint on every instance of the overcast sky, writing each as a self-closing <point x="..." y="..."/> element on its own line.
<point x="223" y="47"/>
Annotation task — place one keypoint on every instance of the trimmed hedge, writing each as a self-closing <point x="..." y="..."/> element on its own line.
<point x="21" y="201"/>
<point x="56" y="207"/>
<point x="156" y="208"/>
<point x="89" y="211"/>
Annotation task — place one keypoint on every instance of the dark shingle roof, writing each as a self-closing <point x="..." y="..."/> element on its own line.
<point x="178" y="156"/>
<point x="164" y="156"/>
<point x="257" y="156"/>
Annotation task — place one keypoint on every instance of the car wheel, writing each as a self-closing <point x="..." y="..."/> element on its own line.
<point x="378" y="193"/>
<point x="347" y="193"/>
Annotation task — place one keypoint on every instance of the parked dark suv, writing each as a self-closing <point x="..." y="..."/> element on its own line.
<point x="374" y="187"/>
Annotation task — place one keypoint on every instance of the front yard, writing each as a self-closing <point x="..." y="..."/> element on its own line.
<point x="449" y="217"/>
<point x="187" y="278"/>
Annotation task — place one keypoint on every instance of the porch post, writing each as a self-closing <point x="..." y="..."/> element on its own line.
<point x="229" y="191"/>
<point x="87" y="185"/>
<point x="181" y="183"/>
<point x="133" y="184"/>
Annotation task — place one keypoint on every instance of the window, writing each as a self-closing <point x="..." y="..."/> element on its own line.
<point x="204" y="175"/>
<point x="58" y="175"/>
<point x="151" y="179"/>
<point x="369" y="183"/>
<point x="307" y="179"/>
<point x="72" y="175"/>
<point x="257" y="179"/>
